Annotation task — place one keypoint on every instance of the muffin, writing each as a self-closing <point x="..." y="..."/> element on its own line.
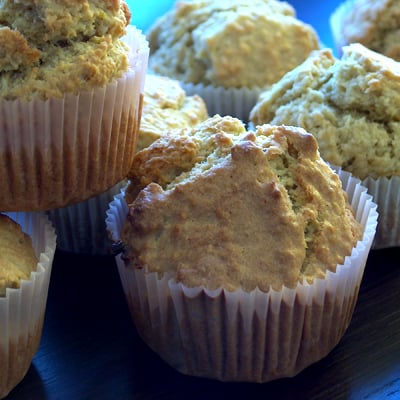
<point x="166" y="106"/>
<point x="80" y="227"/>
<point x="249" y="261"/>
<point x="72" y="75"/>
<point x="227" y="51"/>
<point x="372" y="23"/>
<point x="27" y="243"/>
<point x="351" y="105"/>
<point x="178" y="151"/>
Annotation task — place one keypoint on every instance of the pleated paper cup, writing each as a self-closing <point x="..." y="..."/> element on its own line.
<point x="246" y="336"/>
<point x="386" y="194"/>
<point x="22" y="310"/>
<point x="236" y="102"/>
<point x="81" y="227"/>
<point x="61" y="151"/>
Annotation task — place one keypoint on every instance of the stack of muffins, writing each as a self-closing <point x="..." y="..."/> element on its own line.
<point x="72" y="76"/>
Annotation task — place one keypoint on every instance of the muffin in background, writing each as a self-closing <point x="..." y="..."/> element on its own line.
<point x="351" y="105"/>
<point x="27" y="243"/>
<point x="72" y="79"/>
<point x="166" y="106"/>
<point x="227" y="51"/>
<point x="250" y="261"/>
<point x="372" y="23"/>
<point x="81" y="226"/>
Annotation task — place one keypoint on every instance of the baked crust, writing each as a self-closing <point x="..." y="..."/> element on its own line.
<point x="179" y="151"/>
<point x="373" y="23"/>
<point x="230" y="44"/>
<point x="350" y="104"/>
<point x="166" y="106"/>
<point x="52" y="48"/>
<point x="258" y="209"/>
<point x="17" y="256"/>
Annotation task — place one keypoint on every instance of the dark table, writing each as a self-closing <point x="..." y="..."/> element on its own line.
<point x="90" y="348"/>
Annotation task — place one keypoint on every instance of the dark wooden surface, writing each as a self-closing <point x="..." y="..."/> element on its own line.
<point x="90" y="349"/>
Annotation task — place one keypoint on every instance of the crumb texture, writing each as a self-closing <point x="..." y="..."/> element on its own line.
<point x="49" y="48"/>
<point x="17" y="256"/>
<point x="239" y="209"/>
<point x="373" y="23"/>
<point x="350" y="104"/>
<point x="166" y="106"/>
<point x="236" y="43"/>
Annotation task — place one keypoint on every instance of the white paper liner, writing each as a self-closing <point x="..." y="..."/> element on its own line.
<point x="239" y="336"/>
<point x="225" y="101"/>
<point x="22" y="310"/>
<point x="386" y="194"/>
<point x="61" y="151"/>
<point x="81" y="228"/>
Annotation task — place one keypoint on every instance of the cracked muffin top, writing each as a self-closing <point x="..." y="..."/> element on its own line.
<point x="224" y="43"/>
<point x="220" y="206"/>
<point x="51" y="48"/>
<point x="373" y="23"/>
<point x="350" y="104"/>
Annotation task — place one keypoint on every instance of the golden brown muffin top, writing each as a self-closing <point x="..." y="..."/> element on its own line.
<point x="225" y="43"/>
<point x="17" y="256"/>
<point x="257" y="209"/>
<point x="48" y="48"/>
<point x="373" y="23"/>
<point x="179" y="151"/>
<point x="166" y="106"/>
<point x="350" y="104"/>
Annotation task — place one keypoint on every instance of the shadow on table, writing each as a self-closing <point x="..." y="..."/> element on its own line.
<point x="30" y="388"/>
<point x="156" y="380"/>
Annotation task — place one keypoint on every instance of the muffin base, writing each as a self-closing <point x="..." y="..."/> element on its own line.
<point x="22" y="310"/>
<point x="386" y="194"/>
<point x="193" y="332"/>
<point x="225" y="101"/>
<point x="246" y="336"/>
<point x="62" y="151"/>
<point x="81" y="228"/>
<point x="17" y="359"/>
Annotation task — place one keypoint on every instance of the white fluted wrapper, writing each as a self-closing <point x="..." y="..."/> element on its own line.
<point x="241" y="336"/>
<point x="22" y="310"/>
<point x="225" y="101"/>
<point x="386" y="194"/>
<point x="81" y="228"/>
<point x="62" y="151"/>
